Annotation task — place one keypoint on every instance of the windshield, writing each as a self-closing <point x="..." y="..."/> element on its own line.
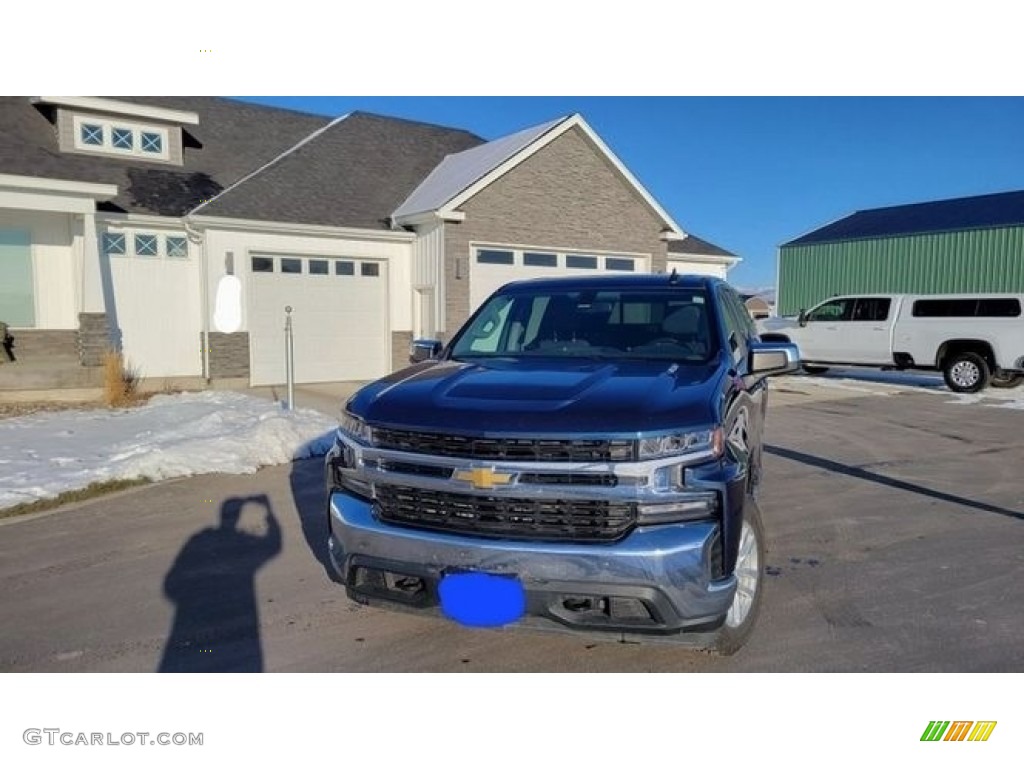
<point x="669" y="324"/>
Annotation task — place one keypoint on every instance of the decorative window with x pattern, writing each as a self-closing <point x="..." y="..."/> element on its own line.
<point x="145" y="245"/>
<point x="121" y="138"/>
<point x="92" y="134"/>
<point x="152" y="142"/>
<point x="177" y="247"/>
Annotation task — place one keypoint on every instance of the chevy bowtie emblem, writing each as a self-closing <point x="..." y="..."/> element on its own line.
<point x="483" y="478"/>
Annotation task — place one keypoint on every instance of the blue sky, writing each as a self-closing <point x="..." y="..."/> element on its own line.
<point x="749" y="173"/>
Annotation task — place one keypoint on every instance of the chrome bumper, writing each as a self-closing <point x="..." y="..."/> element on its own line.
<point x="666" y="569"/>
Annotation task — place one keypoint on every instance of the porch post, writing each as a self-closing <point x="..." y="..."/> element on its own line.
<point x="92" y="280"/>
<point x="97" y="318"/>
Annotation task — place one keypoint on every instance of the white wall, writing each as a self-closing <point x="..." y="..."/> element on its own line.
<point x="428" y="278"/>
<point x="398" y="256"/>
<point x="157" y="306"/>
<point x="53" y="264"/>
<point x="691" y="265"/>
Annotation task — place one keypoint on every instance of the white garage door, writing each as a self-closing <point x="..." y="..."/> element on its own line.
<point x="339" y="318"/>
<point x="491" y="268"/>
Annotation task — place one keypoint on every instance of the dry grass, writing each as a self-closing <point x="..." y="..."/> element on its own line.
<point x="82" y="494"/>
<point x="120" y="380"/>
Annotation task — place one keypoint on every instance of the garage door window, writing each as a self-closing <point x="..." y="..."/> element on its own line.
<point x="262" y="264"/>
<point x="291" y="266"/>
<point x="344" y="268"/>
<point x="495" y="257"/>
<point x="370" y="269"/>
<point x="581" y="262"/>
<point x="318" y="267"/>
<point x="540" y="259"/>
<point x="621" y="265"/>
<point x="145" y="245"/>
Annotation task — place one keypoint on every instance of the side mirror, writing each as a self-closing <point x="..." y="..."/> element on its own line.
<point x="802" y="318"/>
<point x="424" y="349"/>
<point x="773" y="358"/>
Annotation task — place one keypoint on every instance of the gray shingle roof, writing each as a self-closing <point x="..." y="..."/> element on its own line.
<point x="354" y="174"/>
<point x="697" y="246"/>
<point x="459" y="171"/>
<point x="1003" y="209"/>
<point x="232" y="139"/>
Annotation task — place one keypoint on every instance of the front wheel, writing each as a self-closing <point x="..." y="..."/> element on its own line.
<point x="746" y="603"/>
<point x="1004" y="380"/>
<point x="966" y="372"/>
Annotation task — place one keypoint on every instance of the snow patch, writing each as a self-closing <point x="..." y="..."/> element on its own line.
<point x="193" y="433"/>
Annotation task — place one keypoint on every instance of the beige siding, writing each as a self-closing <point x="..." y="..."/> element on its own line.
<point x="566" y="196"/>
<point x="66" y="138"/>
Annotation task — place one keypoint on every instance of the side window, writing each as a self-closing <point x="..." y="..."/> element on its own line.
<point x="737" y="325"/>
<point x="871" y="310"/>
<point x="831" y="311"/>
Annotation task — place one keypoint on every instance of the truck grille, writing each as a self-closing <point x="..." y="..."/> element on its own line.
<point x="536" y="519"/>
<point x="511" y="448"/>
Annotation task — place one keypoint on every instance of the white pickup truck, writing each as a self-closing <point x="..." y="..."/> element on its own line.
<point x="974" y="339"/>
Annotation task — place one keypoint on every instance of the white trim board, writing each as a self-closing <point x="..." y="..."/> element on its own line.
<point x="116" y="107"/>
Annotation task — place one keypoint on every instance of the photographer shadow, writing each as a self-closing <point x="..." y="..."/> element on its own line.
<point x="212" y="584"/>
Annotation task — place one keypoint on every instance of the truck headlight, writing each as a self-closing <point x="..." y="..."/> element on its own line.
<point x="697" y="505"/>
<point x="703" y="441"/>
<point x="356" y="428"/>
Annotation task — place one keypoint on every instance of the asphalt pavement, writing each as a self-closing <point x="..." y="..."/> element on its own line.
<point x="895" y="528"/>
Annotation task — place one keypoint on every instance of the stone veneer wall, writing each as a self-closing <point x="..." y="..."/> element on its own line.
<point x="229" y="354"/>
<point x="565" y="196"/>
<point x="94" y="338"/>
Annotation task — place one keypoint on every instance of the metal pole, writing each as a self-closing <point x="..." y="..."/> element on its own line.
<point x="289" y="357"/>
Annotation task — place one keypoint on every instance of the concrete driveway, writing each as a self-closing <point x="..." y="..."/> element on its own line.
<point x="896" y="543"/>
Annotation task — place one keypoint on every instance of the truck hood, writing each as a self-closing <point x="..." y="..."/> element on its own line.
<point x="543" y="397"/>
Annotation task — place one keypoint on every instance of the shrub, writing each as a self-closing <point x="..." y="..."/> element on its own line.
<point x="120" y="380"/>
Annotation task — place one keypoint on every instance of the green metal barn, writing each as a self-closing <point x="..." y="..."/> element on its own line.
<point x="964" y="245"/>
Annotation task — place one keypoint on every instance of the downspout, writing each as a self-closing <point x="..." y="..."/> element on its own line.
<point x="204" y="293"/>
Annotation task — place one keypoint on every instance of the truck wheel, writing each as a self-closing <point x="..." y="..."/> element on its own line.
<point x="815" y="370"/>
<point x="966" y="372"/>
<point x="1005" y="380"/>
<point x="746" y="603"/>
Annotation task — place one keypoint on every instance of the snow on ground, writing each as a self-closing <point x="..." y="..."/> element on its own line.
<point x="193" y="433"/>
<point x="885" y="383"/>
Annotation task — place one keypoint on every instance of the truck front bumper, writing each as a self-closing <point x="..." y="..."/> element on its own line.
<point x="657" y="582"/>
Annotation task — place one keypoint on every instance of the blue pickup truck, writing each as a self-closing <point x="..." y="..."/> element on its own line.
<point x="584" y="454"/>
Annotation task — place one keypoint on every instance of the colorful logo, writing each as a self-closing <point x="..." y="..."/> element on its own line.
<point x="958" y="730"/>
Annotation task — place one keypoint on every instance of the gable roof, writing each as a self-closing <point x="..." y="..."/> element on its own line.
<point x="457" y="172"/>
<point x="696" y="246"/>
<point x="1002" y="209"/>
<point x="352" y="173"/>
<point x="465" y="176"/>
<point x="230" y="139"/>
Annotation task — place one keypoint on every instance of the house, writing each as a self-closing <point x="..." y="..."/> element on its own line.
<point x="961" y="245"/>
<point x="758" y="306"/>
<point x="180" y="228"/>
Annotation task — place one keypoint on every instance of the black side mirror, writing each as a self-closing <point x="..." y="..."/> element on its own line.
<point x="424" y="349"/>
<point x="802" y="318"/>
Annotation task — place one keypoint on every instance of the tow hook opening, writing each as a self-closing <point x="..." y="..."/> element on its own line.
<point x="598" y="609"/>
<point x="396" y="586"/>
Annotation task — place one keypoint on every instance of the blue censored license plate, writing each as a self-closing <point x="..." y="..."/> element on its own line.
<point x="482" y="599"/>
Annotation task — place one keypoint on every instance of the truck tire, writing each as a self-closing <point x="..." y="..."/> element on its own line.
<point x="815" y="370"/>
<point x="750" y="575"/>
<point x="966" y="372"/>
<point x="1005" y="380"/>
